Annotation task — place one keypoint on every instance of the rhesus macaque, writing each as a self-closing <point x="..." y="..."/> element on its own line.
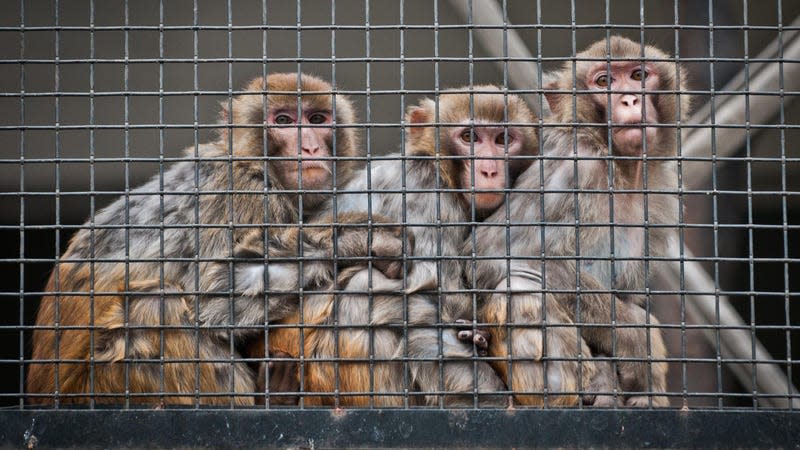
<point x="608" y="206"/>
<point x="444" y="174"/>
<point x="149" y="306"/>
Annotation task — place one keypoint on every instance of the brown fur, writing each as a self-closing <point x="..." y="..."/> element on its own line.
<point x="107" y="274"/>
<point x="296" y="336"/>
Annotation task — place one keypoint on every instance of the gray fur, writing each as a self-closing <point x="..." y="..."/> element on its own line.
<point x="434" y="267"/>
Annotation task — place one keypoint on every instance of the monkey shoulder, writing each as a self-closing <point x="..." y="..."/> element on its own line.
<point x="165" y="199"/>
<point x="374" y="188"/>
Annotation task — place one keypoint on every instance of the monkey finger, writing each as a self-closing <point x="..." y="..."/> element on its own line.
<point x="643" y="401"/>
<point x="478" y="337"/>
<point x="465" y="336"/>
<point x="601" y="401"/>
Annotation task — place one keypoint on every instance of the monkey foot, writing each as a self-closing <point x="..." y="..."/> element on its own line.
<point x="643" y="401"/>
<point x="473" y="336"/>
<point x="283" y="377"/>
<point x="601" y="401"/>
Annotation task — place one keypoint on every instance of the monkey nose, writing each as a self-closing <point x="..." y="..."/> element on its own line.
<point x="488" y="169"/>
<point x="310" y="149"/>
<point x="630" y="100"/>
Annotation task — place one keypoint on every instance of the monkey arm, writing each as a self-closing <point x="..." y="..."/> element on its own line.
<point x="362" y="238"/>
<point x="279" y="276"/>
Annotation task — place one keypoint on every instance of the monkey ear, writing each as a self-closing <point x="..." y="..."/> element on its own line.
<point x="224" y="118"/>
<point x="224" y="112"/>
<point x="554" y="99"/>
<point x="419" y="114"/>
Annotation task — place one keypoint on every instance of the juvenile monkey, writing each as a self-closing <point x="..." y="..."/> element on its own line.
<point x="445" y="174"/>
<point x="125" y="322"/>
<point x="613" y="176"/>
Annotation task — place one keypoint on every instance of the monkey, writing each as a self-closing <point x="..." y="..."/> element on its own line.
<point x="459" y="158"/>
<point x="614" y="175"/>
<point x="147" y="305"/>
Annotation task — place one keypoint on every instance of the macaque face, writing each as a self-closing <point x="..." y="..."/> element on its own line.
<point x="484" y="149"/>
<point x="307" y="139"/>
<point x="627" y="105"/>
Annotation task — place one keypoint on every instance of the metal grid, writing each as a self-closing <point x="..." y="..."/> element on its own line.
<point x="99" y="96"/>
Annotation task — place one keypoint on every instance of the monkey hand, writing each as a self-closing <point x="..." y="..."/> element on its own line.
<point x="603" y="384"/>
<point x="283" y="378"/>
<point x="471" y="335"/>
<point x="362" y="238"/>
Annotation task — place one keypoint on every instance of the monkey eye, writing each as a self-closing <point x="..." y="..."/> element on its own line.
<point x="283" y="119"/>
<point x="501" y="139"/>
<point x="469" y="136"/>
<point x="639" y="75"/>
<point x="602" y="80"/>
<point x="317" y="118"/>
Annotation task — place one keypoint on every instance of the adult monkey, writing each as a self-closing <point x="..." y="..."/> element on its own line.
<point x="120" y="308"/>
<point x="467" y="162"/>
<point x="622" y="196"/>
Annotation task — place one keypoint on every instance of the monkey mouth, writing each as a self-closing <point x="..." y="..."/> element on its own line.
<point x="617" y="127"/>
<point x="310" y="166"/>
<point x="633" y="135"/>
<point x="485" y="201"/>
<point x="634" y="129"/>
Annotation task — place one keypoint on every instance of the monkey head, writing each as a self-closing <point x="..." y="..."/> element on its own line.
<point x="481" y="153"/>
<point x="294" y="120"/>
<point x="634" y="87"/>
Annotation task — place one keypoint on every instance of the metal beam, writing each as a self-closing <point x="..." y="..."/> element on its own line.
<point x="343" y="428"/>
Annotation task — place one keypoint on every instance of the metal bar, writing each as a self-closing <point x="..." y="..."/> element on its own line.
<point x="395" y="428"/>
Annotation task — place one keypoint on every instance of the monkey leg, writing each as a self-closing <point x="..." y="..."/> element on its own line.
<point x="283" y="378"/>
<point x="273" y="376"/>
<point x="357" y="357"/>
<point x="159" y="354"/>
<point x="65" y="335"/>
<point x="460" y="376"/>
<point x="292" y="339"/>
<point x="643" y="367"/>
<point x="605" y="380"/>
<point x="557" y="374"/>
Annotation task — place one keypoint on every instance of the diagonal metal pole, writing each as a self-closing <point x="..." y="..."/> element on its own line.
<point x="737" y="344"/>
<point x="758" y="104"/>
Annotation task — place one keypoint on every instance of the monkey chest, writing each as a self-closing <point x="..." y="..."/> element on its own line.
<point x="613" y="246"/>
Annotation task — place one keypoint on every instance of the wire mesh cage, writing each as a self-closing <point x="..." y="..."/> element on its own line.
<point x="428" y="218"/>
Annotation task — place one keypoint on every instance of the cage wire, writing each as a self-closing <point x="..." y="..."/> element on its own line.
<point x="112" y="123"/>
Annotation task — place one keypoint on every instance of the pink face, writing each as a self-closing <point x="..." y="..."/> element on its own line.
<point x="311" y="143"/>
<point x="484" y="149"/>
<point x="629" y="109"/>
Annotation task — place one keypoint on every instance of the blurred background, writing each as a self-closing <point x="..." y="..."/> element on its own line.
<point x="86" y="86"/>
